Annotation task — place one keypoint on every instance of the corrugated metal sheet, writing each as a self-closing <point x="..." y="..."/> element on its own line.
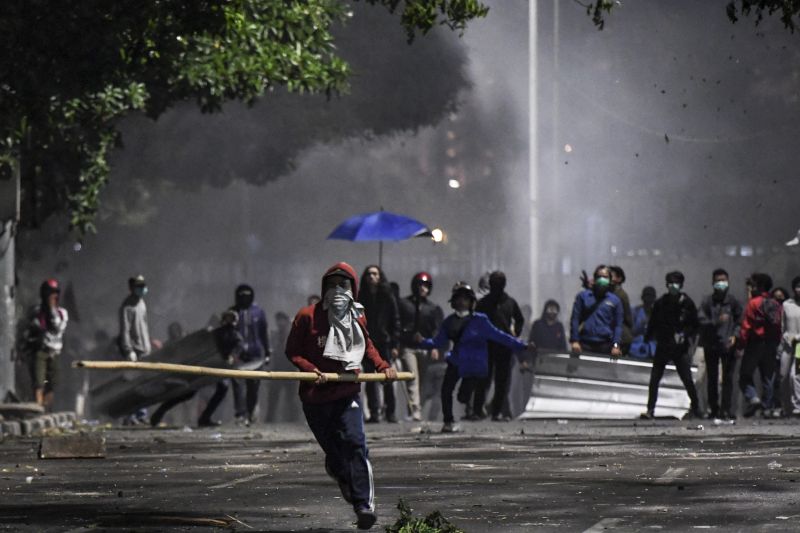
<point x="592" y="386"/>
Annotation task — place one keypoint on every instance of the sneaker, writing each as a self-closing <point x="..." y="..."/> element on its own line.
<point x="344" y="488"/>
<point x="391" y="419"/>
<point x="647" y="415"/>
<point x="155" y="419"/>
<point x="753" y="408"/>
<point x="365" y="518"/>
<point x="501" y="418"/>
<point x="450" y="427"/>
<point x="208" y="423"/>
<point x="416" y="415"/>
<point x="693" y="414"/>
<point x="241" y="421"/>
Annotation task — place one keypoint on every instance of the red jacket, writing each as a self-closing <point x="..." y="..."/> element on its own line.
<point x="755" y="325"/>
<point x="306" y="343"/>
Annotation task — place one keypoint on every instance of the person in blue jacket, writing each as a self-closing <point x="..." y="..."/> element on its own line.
<point x="468" y="359"/>
<point x="597" y="317"/>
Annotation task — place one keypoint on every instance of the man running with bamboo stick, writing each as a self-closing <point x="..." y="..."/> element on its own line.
<point x="331" y="336"/>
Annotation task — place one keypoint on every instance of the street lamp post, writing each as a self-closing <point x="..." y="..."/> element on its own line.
<point x="9" y="217"/>
<point x="533" y="161"/>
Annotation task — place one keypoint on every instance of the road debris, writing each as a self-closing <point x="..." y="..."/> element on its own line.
<point x="78" y="446"/>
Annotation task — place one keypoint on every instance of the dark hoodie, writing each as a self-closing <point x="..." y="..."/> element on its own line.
<point x="306" y="343"/>
<point x="503" y="311"/>
<point x="252" y="326"/>
<point x="383" y="318"/>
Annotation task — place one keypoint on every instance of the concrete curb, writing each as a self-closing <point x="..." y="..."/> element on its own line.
<point x="31" y="426"/>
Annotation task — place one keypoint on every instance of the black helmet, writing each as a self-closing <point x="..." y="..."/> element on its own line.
<point x="420" y="278"/>
<point x="462" y="288"/>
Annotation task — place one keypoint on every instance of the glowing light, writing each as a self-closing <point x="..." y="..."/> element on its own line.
<point x="77" y="247"/>
<point x="437" y="235"/>
<point x="568" y="148"/>
<point x="454" y="184"/>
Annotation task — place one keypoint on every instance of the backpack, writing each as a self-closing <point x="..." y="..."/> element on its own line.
<point x="771" y="312"/>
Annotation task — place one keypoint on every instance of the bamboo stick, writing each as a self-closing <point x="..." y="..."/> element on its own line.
<point x="233" y="373"/>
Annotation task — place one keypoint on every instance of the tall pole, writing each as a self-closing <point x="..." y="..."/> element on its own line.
<point x="9" y="216"/>
<point x="533" y="157"/>
<point x="555" y="248"/>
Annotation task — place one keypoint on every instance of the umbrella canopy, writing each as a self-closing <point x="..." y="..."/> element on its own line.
<point x="379" y="226"/>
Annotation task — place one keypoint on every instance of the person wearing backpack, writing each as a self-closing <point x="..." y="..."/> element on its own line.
<point x="597" y="318"/>
<point x="673" y="325"/>
<point x="759" y="338"/>
<point x="468" y="360"/>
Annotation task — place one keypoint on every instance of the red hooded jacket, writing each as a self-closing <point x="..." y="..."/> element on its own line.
<point x="306" y="343"/>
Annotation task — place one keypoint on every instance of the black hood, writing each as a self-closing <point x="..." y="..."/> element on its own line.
<point x="244" y="296"/>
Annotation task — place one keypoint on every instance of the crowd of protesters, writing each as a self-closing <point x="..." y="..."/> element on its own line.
<point x="763" y="333"/>
<point x="410" y="333"/>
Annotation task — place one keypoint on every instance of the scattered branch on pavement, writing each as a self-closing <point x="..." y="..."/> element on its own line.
<point x="432" y="523"/>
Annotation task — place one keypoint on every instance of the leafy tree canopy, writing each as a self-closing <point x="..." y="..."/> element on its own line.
<point x="71" y="70"/>
<point x="787" y="10"/>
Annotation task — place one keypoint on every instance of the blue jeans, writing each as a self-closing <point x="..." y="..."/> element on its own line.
<point x="338" y="427"/>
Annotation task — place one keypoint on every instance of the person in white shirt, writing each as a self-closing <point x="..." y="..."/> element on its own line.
<point x="790" y="377"/>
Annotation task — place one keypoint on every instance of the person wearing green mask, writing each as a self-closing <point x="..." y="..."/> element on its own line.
<point x="720" y="316"/>
<point x="597" y="318"/>
<point x="673" y="325"/>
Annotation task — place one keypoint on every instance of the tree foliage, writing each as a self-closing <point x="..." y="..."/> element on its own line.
<point x="71" y="70"/>
<point x="787" y="10"/>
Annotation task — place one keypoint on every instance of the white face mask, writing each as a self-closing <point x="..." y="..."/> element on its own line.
<point x="339" y="300"/>
<point x="462" y="314"/>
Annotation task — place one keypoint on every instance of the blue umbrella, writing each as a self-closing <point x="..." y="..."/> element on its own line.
<point x="379" y="226"/>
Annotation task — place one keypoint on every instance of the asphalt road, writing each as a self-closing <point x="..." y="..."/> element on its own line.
<point x="519" y="476"/>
